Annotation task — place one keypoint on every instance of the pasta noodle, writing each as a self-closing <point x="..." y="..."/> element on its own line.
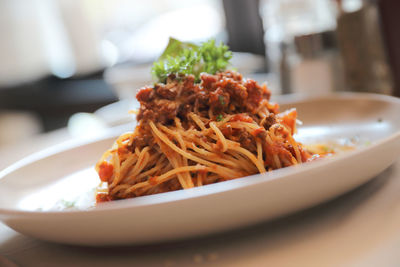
<point x="193" y="134"/>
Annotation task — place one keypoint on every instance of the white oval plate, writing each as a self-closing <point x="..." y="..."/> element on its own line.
<point x="64" y="174"/>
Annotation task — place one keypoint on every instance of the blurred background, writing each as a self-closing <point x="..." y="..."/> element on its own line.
<point x="78" y="63"/>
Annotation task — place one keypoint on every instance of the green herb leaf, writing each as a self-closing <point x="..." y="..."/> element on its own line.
<point x="221" y="100"/>
<point x="68" y="204"/>
<point x="220" y="117"/>
<point x="182" y="58"/>
<point x="175" y="46"/>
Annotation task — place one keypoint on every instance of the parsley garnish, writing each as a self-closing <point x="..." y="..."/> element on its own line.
<point x="186" y="58"/>
<point x="220" y="117"/>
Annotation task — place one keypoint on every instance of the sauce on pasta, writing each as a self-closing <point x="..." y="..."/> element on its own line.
<point x="192" y="134"/>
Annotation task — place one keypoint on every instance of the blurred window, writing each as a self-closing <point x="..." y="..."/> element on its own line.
<point x="78" y="37"/>
<point x="139" y="30"/>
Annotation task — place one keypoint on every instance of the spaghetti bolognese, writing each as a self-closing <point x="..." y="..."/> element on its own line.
<point x="192" y="134"/>
<point x="199" y="125"/>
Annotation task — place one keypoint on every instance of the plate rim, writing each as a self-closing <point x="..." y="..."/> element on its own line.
<point x="197" y="192"/>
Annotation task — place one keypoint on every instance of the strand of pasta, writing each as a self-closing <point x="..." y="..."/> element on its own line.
<point x="157" y="166"/>
<point x="259" y="152"/>
<point x="260" y="165"/>
<point x="243" y="162"/>
<point x="176" y="146"/>
<point x="137" y="151"/>
<point x="178" y="123"/>
<point x="199" y="178"/>
<point x="122" y="138"/>
<point x="226" y="118"/>
<point x="226" y="159"/>
<point x="127" y="164"/>
<point x="217" y="159"/>
<point x="117" y="167"/>
<point x="220" y="136"/>
<point x="227" y="172"/>
<point x="171" y="158"/>
<point x="295" y="148"/>
<point x="176" y="163"/>
<point x="181" y="161"/>
<point x="279" y="127"/>
<point x="140" y="163"/>
<point x="164" y="177"/>
<point x="249" y="126"/>
<point x="197" y="120"/>
<point x="274" y="156"/>
<point x="120" y="187"/>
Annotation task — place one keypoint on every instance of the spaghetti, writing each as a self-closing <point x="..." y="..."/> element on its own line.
<point x="193" y="134"/>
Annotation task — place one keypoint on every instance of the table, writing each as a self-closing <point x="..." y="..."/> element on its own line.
<point x="360" y="228"/>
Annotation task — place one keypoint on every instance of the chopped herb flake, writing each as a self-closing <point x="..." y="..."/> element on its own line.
<point x="220" y="117"/>
<point x="221" y="100"/>
<point x="68" y="204"/>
